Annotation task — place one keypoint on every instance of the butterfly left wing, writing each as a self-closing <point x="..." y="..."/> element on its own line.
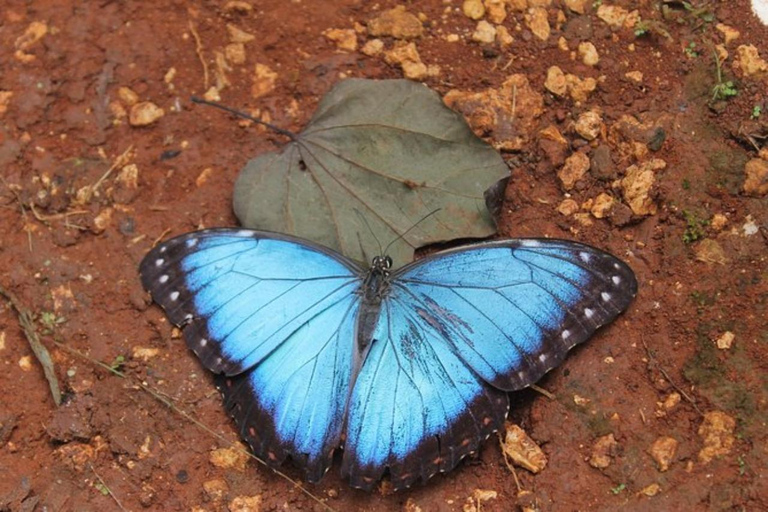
<point x="275" y="317"/>
<point x="458" y="330"/>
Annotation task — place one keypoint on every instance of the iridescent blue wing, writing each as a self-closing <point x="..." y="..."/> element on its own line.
<point x="459" y="329"/>
<point x="275" y="316"/>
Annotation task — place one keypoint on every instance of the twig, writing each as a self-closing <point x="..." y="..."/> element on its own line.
<point x="26" y="320"/>
<point x="199" y="51"/>
<point x="158" y="395"/>
<point x="542" y="391"/>
<point x="120" y="160"/>
<point x="510" y="467"/>
<point x="162" y="235"/>
<point x="109" y="491"/>
<point x="680" y="390"/>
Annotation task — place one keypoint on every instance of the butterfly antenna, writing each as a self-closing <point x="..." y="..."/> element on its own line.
<point x="410" y="229"/>
<point x="256" y="120"/>
<point x="365" y="221"/>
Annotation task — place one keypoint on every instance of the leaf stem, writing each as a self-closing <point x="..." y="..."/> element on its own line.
<point x="256" y="120"/>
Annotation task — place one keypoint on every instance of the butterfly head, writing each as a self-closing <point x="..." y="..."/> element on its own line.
<point x="381" y="264"/>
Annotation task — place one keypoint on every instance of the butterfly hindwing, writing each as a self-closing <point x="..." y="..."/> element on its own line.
<point x="275" y="316"/>
<point x="416" y="407"/>
<point x="457" y="330"/>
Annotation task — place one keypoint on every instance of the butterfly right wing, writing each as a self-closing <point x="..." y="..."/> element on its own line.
<point x="275" y="316"/>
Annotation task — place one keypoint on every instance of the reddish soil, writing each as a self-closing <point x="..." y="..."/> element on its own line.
<point x="72" y="261"/>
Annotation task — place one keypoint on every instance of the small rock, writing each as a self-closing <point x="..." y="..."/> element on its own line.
<point x="718" y="222"/>
<point x="588" y="53"/>
<point x="127" y="96"/>
<point x="397" y="23"/>
<point x="575" y="168"/>
<point x="651" y="490"/>
<point x="579" y="88"/>
<point x="729" y="33"/>
<point x="555" y="82"/>
<point x="583" y="218"/>
<point x="634" y="76"/>
<point x="491" y="112"/>
<point x="756" y="177"/>
<point x="407" y="58"/>
<point x="34" y="33"/>
<point x="536" y="20"/>
<point x="496" y="11"/>
<point x="229" y="458"/>
<point x="589" y="125"/>
<point x="235" y="53"/>
<point x="473" y="9"/>
<point x="145" y="113"/>
<point x="102" y="221"/>
<point x="621" y="214"/>
<point x="216" y="489"/>
<point x="568" y="207"/>
<point x="484" y="33"/>
<point x="76" y="456"/>
<point x="204" y="176"/>
<point x="710" y="251"/>
<point x="637" y="184"/>
<point x="245" y="504"/>
<point x="237" y="35"/>
<point x="523" y="450"/>
<point x="615" y="17"/>
<point x="5" y="100"/>
<point x="238" y="6"/>
<point x="601" y="165"/>
<point x="663" y="451"/>
<point x="373" y="47"/>
<point x="503" y="37"/>
<point x="602" y="206"/>
<point x="671" y="401"/>
<point x="577" y="6"/>
<point x="725" y="341"/>
<point x="479" y="496"/>
<point x="264" y="80"/>
<point x="750" y="62"/>
<point x="144" y="353"/>
<point x="345" y="39"/>
<point x="717" y="431"/>
<point x="603" y="451"/>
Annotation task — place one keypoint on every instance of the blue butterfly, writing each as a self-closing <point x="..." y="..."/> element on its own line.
<point x="408" y="369"/>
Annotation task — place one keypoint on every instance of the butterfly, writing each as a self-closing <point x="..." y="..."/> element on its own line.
<point x="407" y="369"/>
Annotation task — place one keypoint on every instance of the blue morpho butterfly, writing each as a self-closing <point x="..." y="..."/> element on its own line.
<point x="408" y="369"/>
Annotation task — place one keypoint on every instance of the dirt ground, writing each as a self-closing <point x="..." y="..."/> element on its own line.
<point x="665" y="409"/>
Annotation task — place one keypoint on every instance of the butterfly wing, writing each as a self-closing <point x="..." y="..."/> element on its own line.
<point x="275" y="316"/>
<point x="457" y="331"/>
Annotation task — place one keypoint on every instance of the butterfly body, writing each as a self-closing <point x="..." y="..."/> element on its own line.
<point x="410" y="367"/>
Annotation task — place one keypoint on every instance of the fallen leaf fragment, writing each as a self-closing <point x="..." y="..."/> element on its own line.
<point x="523" y="450"/>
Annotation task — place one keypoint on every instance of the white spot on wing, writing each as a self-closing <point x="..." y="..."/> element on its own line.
<point x="606" y="296"/>
<point x="530" y="243"/>
<point x="616" y="280"/>
<point x="163" y="249"/>
<point x="191" y="242"/>
<point x="159" y="262"/>
<point x="585" y="257"/>
<point x="616" y="266"/>
<point x="566" y="334"/>
<point x="163" y="278"/>
<point x="203" y="342"/>
<point x="174" y="295"/>
<point x="588" y="313"/>
<point x="244" y="232"/>
<point x="543" y="357"/>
